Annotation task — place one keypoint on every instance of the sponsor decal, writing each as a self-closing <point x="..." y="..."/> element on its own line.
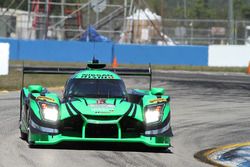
<point x="102" y="108"/>
<point x="44" y="98"/>
<point x="158" y="100"/>
<point x="100" y="101"/>
<point x="97" y="76"/>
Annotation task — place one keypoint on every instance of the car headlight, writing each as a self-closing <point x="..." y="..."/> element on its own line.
<point x="153" y="113"/>
<point x="49" y="112"/>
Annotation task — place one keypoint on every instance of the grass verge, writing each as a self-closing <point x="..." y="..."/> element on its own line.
<point x="14" y="79"/>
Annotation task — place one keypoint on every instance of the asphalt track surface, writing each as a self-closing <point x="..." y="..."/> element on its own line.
<point x="207" y="111"/>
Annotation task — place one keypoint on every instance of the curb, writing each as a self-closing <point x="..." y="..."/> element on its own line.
<point x="203" y="155"/>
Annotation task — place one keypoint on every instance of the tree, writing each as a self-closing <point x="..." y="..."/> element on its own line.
<point x="200" y="10"/>
<point x="246" y="12"/>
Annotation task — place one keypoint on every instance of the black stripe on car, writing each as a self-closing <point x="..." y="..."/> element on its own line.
<point x="32" y="97"/>
<point x="134" y="112"/>
<point x="129" y="110"/>
<point x="85" y="101"/>
<point x="122" y="100"/>
<point x="73" y="107"/>
<point x="69" y="110"/>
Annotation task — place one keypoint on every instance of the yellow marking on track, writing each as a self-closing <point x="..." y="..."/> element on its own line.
<point x="206" y="154"/>
<point x="230" y="146"/>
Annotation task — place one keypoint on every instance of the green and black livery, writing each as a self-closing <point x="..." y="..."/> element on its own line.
<point x="95" y="107"/>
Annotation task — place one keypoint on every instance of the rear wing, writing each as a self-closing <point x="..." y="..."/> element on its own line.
<point x="66" y="70"/>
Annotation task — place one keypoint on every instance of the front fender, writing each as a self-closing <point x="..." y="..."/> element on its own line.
<point x="162" y="128"/>
<point x="35" y="120"/>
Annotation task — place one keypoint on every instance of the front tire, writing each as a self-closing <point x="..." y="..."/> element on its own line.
<point x="30" y="142"/>
<point x="23" y="135"/>
<point x="162" y="150"/>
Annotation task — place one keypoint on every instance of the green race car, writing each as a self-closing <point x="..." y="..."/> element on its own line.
<point x="95" y="107"/>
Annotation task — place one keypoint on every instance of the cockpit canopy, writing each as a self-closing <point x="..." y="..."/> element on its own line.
<point x="95" y="88"/>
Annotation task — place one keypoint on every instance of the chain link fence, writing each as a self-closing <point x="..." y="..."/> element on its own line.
<point x="71" y="21"/>
<point x="205" y="32"/>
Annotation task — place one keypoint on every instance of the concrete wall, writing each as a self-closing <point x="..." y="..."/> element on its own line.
<point x="76" y="51"/>
<point x="165" y="55"/>
<point x="229" y="55"/>
<point x="63" y="51"/>
<point x="4" y="58"/>
<point x="13" y="48"/>
<point x="58" y="51"/>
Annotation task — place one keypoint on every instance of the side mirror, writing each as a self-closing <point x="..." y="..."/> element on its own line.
<point x="157" y="91"/>
<point x="35" y="88"/>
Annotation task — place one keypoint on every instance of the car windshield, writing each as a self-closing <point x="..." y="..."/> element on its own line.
<point x="95" y="88"/>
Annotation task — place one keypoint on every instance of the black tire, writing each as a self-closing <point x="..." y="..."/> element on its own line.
<point x="32" y="145"/>
<point x="163" y="150"/>
<point x="21" y="105"/>
<point x="23" y="135"/>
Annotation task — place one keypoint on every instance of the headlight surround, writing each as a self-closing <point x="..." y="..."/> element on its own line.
<point x="153" y="113"/>
<point x="49" y="112"/>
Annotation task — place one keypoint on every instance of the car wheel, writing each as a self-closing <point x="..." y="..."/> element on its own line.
<point x="23" y="135"/>
<point x="162" y="150"/>
<point x="31" y="143"/>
